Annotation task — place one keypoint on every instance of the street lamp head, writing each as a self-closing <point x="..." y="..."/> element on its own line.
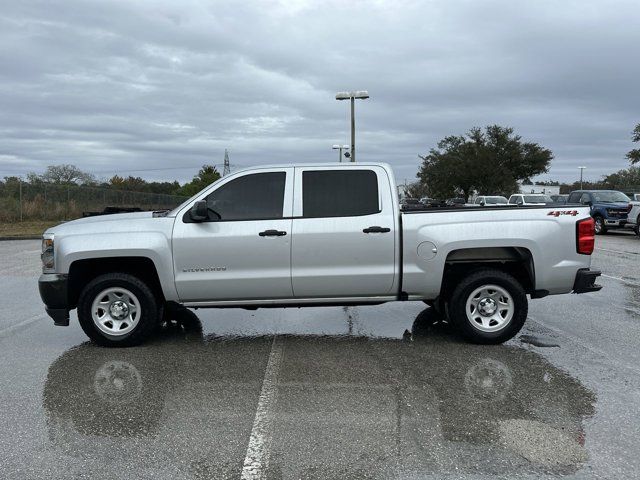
<point x="362" y="94"/>
<point x="343" y="147"/>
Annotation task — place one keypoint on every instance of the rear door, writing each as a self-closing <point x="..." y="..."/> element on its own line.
<point x="344" y="232"/>
<point x="245" y="254"/>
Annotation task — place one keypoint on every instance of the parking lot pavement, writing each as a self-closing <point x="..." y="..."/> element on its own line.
<point x="359" y="392"/>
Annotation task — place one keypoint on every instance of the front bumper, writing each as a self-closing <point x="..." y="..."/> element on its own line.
<point x="53" y="291"/>
<point x="586" y="281"/>
<point x="615" y="222"/>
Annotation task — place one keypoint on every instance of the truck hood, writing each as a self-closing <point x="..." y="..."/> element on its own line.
<point x="621" y="205"/>
<point x="118" y="222"/>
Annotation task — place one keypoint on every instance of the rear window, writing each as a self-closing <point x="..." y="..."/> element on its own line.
<point x="574" y="197"/>
<point x="538" y="199"/>
<point x="339" y="193"/>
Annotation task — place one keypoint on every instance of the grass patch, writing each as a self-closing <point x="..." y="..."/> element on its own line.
<point x="26" y="229"/>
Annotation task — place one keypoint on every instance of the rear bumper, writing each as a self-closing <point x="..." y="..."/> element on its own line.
<point x="586" y="281"/>
<point x="53" y="291"/>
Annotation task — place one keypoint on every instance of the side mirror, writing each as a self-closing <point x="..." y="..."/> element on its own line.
<point x="199" y="211"/>
<point x="482" y="204"/>
<point x="519" y="203"/>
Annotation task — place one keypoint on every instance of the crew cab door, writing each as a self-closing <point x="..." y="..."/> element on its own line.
<point x="244" y="254"/>
<point x="344" y="232"/>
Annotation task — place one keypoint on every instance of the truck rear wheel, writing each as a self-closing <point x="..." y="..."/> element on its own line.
<point x="488" y="306"/>
<point x="118" y="310"/>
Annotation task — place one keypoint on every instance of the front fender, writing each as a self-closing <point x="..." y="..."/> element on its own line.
<point x="152" y="245"/>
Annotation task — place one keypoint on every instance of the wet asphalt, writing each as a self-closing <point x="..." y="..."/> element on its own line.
<point x="325" y="393"/>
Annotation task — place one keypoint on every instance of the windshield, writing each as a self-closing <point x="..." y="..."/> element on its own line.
<point x="609" y="197"/>
<point x="537" y="199"/>
<point x="495" y="200"/>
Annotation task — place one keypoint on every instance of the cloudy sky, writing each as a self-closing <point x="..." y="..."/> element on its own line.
<point x="157" y="88"/>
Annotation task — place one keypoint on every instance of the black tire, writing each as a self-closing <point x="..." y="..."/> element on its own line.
<point x="465" y="288"/>
<point x="146" y="323"/>
<point x="636" y="229"/>
<point x="602" y="229"/>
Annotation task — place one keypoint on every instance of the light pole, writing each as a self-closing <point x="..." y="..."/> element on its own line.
<point x="361" y="94"/>
<point x="581" y="170"/>
<point x="340" y="147"/>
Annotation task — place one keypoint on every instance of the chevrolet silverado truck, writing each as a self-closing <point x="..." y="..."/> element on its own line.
<point x="313" y="235"/>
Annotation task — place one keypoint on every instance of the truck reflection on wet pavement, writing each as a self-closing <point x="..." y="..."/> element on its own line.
<point x="344" y="406"/>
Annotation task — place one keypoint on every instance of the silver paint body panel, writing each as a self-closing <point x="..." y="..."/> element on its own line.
<point x="320" y="260"/>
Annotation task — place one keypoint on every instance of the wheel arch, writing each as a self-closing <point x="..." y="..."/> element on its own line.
<point x="81" y="272"/>
<point x="516" y="261"/>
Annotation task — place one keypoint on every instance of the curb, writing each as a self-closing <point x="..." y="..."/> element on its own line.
<point x="25" y="237"/>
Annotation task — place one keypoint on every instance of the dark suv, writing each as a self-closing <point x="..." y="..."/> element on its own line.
<point x="609" y="208"/>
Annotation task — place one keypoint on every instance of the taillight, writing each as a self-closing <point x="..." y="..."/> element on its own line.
<point x="585" y="233"/>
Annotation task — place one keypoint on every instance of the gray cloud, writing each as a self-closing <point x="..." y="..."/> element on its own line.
<point x="118" y="86"/>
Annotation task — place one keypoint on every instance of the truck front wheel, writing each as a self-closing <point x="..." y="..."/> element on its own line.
<point x="117" y="310"/>
<point x="488" y="306"/>
<point x="599" y="225"/>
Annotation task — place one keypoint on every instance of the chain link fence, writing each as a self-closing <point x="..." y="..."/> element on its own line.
<point x="21" y="201"/>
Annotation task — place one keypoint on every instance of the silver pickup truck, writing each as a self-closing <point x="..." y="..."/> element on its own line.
<point x="313" y="235"/>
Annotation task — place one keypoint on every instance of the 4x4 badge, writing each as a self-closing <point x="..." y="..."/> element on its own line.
<point x="557" y="213"/>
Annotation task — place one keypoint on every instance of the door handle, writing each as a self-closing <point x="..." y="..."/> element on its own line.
<point x="272" y="233"/>
<point x="376" y="229"/>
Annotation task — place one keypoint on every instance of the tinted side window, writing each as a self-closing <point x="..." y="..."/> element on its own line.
<point x="339" y="193"/>
<point x="574" y="198"/>
<point x="585" y="198"/>
<point x="251" y="197"/>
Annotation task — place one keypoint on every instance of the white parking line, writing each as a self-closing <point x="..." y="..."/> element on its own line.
<point x="618" y="251"/>
<point x="622" y="280"/>
<point x="256" y="461"/>
<point x="6" y="331"/>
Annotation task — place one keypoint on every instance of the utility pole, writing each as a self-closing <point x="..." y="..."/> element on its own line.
<point x="360" y="94"/>
<point x="581" y="170"/>
<point x="227" y="167"/>
<point x="20" y="181"/>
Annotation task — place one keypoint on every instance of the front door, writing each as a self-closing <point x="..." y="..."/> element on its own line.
<point x="243" y="251"/>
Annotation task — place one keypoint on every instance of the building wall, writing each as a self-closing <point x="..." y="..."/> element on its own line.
<point x="549" y="190"/>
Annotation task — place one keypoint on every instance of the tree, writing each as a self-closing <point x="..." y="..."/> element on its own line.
<point x="135" y="184"/>
<point x="490" y="161"/>
<point x="205" y="177"/>
<point x="62" y="175"/>
<point x="417" y="190"/>
<point x="623" y="179"/>
<point x="634" y="154"/>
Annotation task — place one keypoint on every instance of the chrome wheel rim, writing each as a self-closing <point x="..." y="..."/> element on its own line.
<point x="115" y="311"/>
<point x="489" y="308"/>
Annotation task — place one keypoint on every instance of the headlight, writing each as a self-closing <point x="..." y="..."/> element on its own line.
<point x="48" y="256"/>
